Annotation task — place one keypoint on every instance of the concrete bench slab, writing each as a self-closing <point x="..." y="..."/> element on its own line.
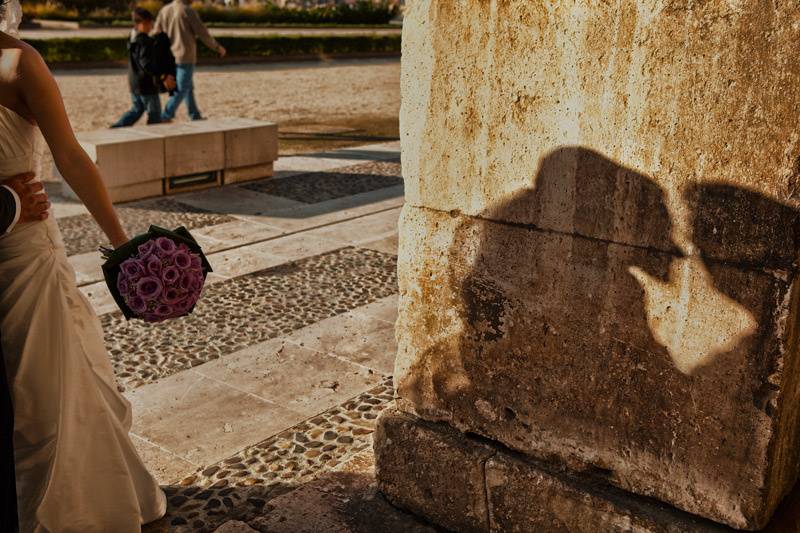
<point x="146" y="161"/>
<point x="125" y="156"/>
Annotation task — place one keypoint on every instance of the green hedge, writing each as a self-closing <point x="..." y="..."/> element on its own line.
<point x="89" y="50"/>
<point x="362" y="13"/>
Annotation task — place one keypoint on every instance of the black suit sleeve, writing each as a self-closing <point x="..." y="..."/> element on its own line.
<point x="8" y="209"/>
<point x="164" y="55"/>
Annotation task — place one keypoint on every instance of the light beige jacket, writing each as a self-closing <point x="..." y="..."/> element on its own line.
<point x="183" y="26"/>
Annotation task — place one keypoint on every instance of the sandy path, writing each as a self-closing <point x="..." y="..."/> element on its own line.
<point x="361" y="96"/>
<point x="314" y="93"/>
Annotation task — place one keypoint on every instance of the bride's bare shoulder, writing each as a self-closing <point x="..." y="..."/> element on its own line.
<point x="18" y="57"/>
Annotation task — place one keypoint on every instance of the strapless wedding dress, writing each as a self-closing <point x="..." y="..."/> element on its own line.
<point x="77" y="470"/>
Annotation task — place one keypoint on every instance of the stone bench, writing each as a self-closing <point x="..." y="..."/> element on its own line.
<point x="147" y="161"/>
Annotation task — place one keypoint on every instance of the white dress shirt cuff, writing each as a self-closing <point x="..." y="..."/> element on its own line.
<point x="17" y="210"/>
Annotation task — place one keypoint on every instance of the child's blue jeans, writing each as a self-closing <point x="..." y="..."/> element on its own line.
<point x="142" y="103"/>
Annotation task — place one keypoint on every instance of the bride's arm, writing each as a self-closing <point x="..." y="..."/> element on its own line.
<point x="42" y="96"/>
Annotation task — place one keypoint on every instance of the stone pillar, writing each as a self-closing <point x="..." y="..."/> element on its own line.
<point x="597" y="265"/>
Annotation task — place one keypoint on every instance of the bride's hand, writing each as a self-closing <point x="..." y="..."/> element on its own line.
<point x="33" y="199"/>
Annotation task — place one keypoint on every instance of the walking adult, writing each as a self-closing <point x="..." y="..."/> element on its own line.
<point x="183" y="26"/>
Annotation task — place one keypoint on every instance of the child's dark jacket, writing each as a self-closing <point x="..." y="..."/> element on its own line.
<point x="149" y="62"/>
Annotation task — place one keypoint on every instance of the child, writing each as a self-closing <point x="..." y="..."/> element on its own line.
<point x="147" y="73"/>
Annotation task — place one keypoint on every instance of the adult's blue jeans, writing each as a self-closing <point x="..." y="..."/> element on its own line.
<point x="142" y="103"/>
<point x="184" y="91"/>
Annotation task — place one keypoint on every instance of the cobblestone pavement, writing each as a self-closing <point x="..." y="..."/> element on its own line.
<point x="278" y="377"/>
<point x="318" y="187"/>
<point x="81" y="234"/>
<point x="241" y="486"/>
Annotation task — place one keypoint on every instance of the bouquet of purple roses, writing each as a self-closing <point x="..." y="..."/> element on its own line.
<point x="158" y="275"/>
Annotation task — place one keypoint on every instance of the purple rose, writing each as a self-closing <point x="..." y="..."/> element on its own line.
<point x="171" y="296"/>
<point x="183" y="248"/>
<point x="165" y="247"/>
<point x="195" y="261"/>
<point x="182" y="260"/>
<point x="171" y="275"/>
<point x="147" y="248"/>
<point x="186" y="305"/>
<point x="152" y="265"/>
<point x="123" y="285"/>
<point x="164" y="310"/>
<point x="186" y="281"/>
<point x="132" y="268"/>
<point x="149" y="287"/>
<point x="137" y="304"/>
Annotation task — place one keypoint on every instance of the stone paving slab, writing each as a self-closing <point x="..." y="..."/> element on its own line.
<point x="245" y="311"/>
<point x="387" y="245"/>
<point x="203" y="420"/>
<point x="100" y="298"/>
<point x="384" y="309"/>
<point x="307" y="381"/>
<point x="165" y="465"/>
<point x="366" y="229"/>
<point x="361" y="339"/>
<point x="235" y="234"/>
<point x="322" y="161"/>
<point x="241" y="261"/>
<point x="368" y="152"/>
<point x="297" y="246"/>
<point x="301" y="164"/>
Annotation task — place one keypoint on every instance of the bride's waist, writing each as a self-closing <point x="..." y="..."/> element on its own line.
<point x="11" y="166"/>
<point x="30" y="237"/>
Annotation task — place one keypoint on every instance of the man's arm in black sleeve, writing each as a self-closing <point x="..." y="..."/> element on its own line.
<point x="9" y="209"/>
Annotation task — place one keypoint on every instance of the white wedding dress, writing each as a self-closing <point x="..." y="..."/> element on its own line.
<point x="77" y="469"/>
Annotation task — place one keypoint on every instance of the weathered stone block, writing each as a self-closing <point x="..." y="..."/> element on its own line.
<point x="525" y="497"/>
<point x="670" y="91"/>
<point x="125" y="155"/>
<point x="432" y="473"/>
<point x="675" y="374"/>
<point x="440" y="474"/>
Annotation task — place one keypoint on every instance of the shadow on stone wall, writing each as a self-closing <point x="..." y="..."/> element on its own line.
<point x="564" y="351"/>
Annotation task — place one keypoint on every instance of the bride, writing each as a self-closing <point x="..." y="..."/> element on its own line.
<point x="76" y="468"/>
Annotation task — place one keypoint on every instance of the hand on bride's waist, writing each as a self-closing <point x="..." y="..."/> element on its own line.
<point x="34" y="203"/>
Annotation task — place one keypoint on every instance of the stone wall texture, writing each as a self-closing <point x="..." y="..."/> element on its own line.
<point x="597" y="264"/>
